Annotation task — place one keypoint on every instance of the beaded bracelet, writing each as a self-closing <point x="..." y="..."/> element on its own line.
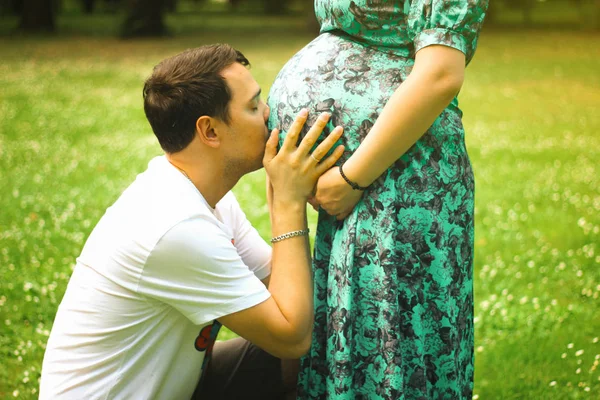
<point x="354" y="185"/>
<point x="288" y="235"/>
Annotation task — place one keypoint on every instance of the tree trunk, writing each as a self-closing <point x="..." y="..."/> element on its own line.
<point x="88" y="6"/>
<point x="37" y="16"/>
<point x="233" y="4"/>
<point x="144" y="18"/>
<point x="275" y="7"/>
<point x="113" y="5"/>
<point x="311" y="20"/>
<point x="491" y="14"/>
<point x="597" y="27"/>
<point x="527" y="12"/>
<point x="15" y="7"/>
<point x="171" y="5"/>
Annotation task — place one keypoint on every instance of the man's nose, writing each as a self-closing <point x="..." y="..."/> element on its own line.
<point x="267" y="113"/>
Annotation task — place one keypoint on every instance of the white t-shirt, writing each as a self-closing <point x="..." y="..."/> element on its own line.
<point x="158" y="269"/>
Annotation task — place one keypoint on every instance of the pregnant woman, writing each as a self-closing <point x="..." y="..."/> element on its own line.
<point x="394" y="248"/>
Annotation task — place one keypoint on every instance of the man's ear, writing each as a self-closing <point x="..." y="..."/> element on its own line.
<point x="208" y="131"/>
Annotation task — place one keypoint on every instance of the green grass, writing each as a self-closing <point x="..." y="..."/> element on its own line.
<point x="73" y="136"/>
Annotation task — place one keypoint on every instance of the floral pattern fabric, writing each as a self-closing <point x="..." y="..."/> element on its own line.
<point x="393" y="281"/>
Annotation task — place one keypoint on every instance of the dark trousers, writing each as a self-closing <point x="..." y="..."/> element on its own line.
<point x="240" y="370"/>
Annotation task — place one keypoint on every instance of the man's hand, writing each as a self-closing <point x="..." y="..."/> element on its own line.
<point x="334" y="195"/>
<point x="293" y="171"/>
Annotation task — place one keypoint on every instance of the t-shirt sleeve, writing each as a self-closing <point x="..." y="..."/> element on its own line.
<point x="452" y="23"/>
<point x="196" y="269"/>
<point x="251" y="247"/>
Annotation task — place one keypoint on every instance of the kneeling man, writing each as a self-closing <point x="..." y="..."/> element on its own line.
<point x="174" y="257"/>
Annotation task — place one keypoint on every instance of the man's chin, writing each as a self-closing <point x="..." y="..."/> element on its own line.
<point x="256" y="167"/>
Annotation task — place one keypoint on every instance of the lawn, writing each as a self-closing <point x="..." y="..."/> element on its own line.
<point x="73" y="136"/>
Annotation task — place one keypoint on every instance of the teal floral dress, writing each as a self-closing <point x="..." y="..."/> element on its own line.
<point x="394" y="280"/>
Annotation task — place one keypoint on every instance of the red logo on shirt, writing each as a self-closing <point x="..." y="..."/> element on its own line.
<point x="233" y="241"/>
<point x="203" y="340"/>
<point x="206" y="339"/>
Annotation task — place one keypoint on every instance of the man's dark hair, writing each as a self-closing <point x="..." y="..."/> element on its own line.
<point x="186" y="87"/>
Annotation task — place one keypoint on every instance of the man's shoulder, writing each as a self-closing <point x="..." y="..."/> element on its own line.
<point x="162" y="193"/>
<point x="152" y="205"/>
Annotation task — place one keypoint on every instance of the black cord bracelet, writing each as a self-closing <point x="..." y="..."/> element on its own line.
<point x="354" y="185"/>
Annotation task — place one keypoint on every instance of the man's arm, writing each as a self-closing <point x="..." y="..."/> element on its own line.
<point x="282" y="325"/>
<point x="251" y="247"/>
<point x="266" y="280"/>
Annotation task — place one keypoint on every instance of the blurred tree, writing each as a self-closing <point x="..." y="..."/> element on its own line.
<point x="14" y="7"/>
<point x="171" y="5"/>
<point x="276" y="7"/>
<point x="311" y="20"/>
<point x="233" y="4"/>
<point x="591" y="13"/>
<point x="37" y="16"/>
<point x="144" y="18"/>
<point x="112" y="6"/>
<point x="492" y="13"/>
<point x="273" y="7"/>
<point x="524" y="5"/>
<point x="595" y="17"/>
<point x="88" y="6"/>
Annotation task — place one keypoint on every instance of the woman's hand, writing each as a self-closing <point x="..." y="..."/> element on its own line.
<point x="335" y="195"/>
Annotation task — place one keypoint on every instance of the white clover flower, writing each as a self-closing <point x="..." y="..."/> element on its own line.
<point x="523" y="300"/>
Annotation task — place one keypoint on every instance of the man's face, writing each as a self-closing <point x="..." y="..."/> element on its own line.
<point x="247" y="131"/>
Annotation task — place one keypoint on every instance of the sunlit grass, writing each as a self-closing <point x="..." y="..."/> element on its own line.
<point x="73" y="136"/>
<point x="532" y="130"/>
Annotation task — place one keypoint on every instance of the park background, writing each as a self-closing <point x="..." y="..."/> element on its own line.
<point x="73" y="136"/>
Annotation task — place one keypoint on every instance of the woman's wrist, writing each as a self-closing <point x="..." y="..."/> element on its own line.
<point x="353" y="173"/>
<point x="353" y="185"/>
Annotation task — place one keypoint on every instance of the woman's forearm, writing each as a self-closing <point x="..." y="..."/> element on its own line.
<point x="435" y="80"/>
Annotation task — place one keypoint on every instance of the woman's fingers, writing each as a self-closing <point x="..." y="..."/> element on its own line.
<point x="289" y="143"/>
<point x="313" y="134"/>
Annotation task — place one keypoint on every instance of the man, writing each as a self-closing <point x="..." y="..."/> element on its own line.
<point x="175" y="257"/>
